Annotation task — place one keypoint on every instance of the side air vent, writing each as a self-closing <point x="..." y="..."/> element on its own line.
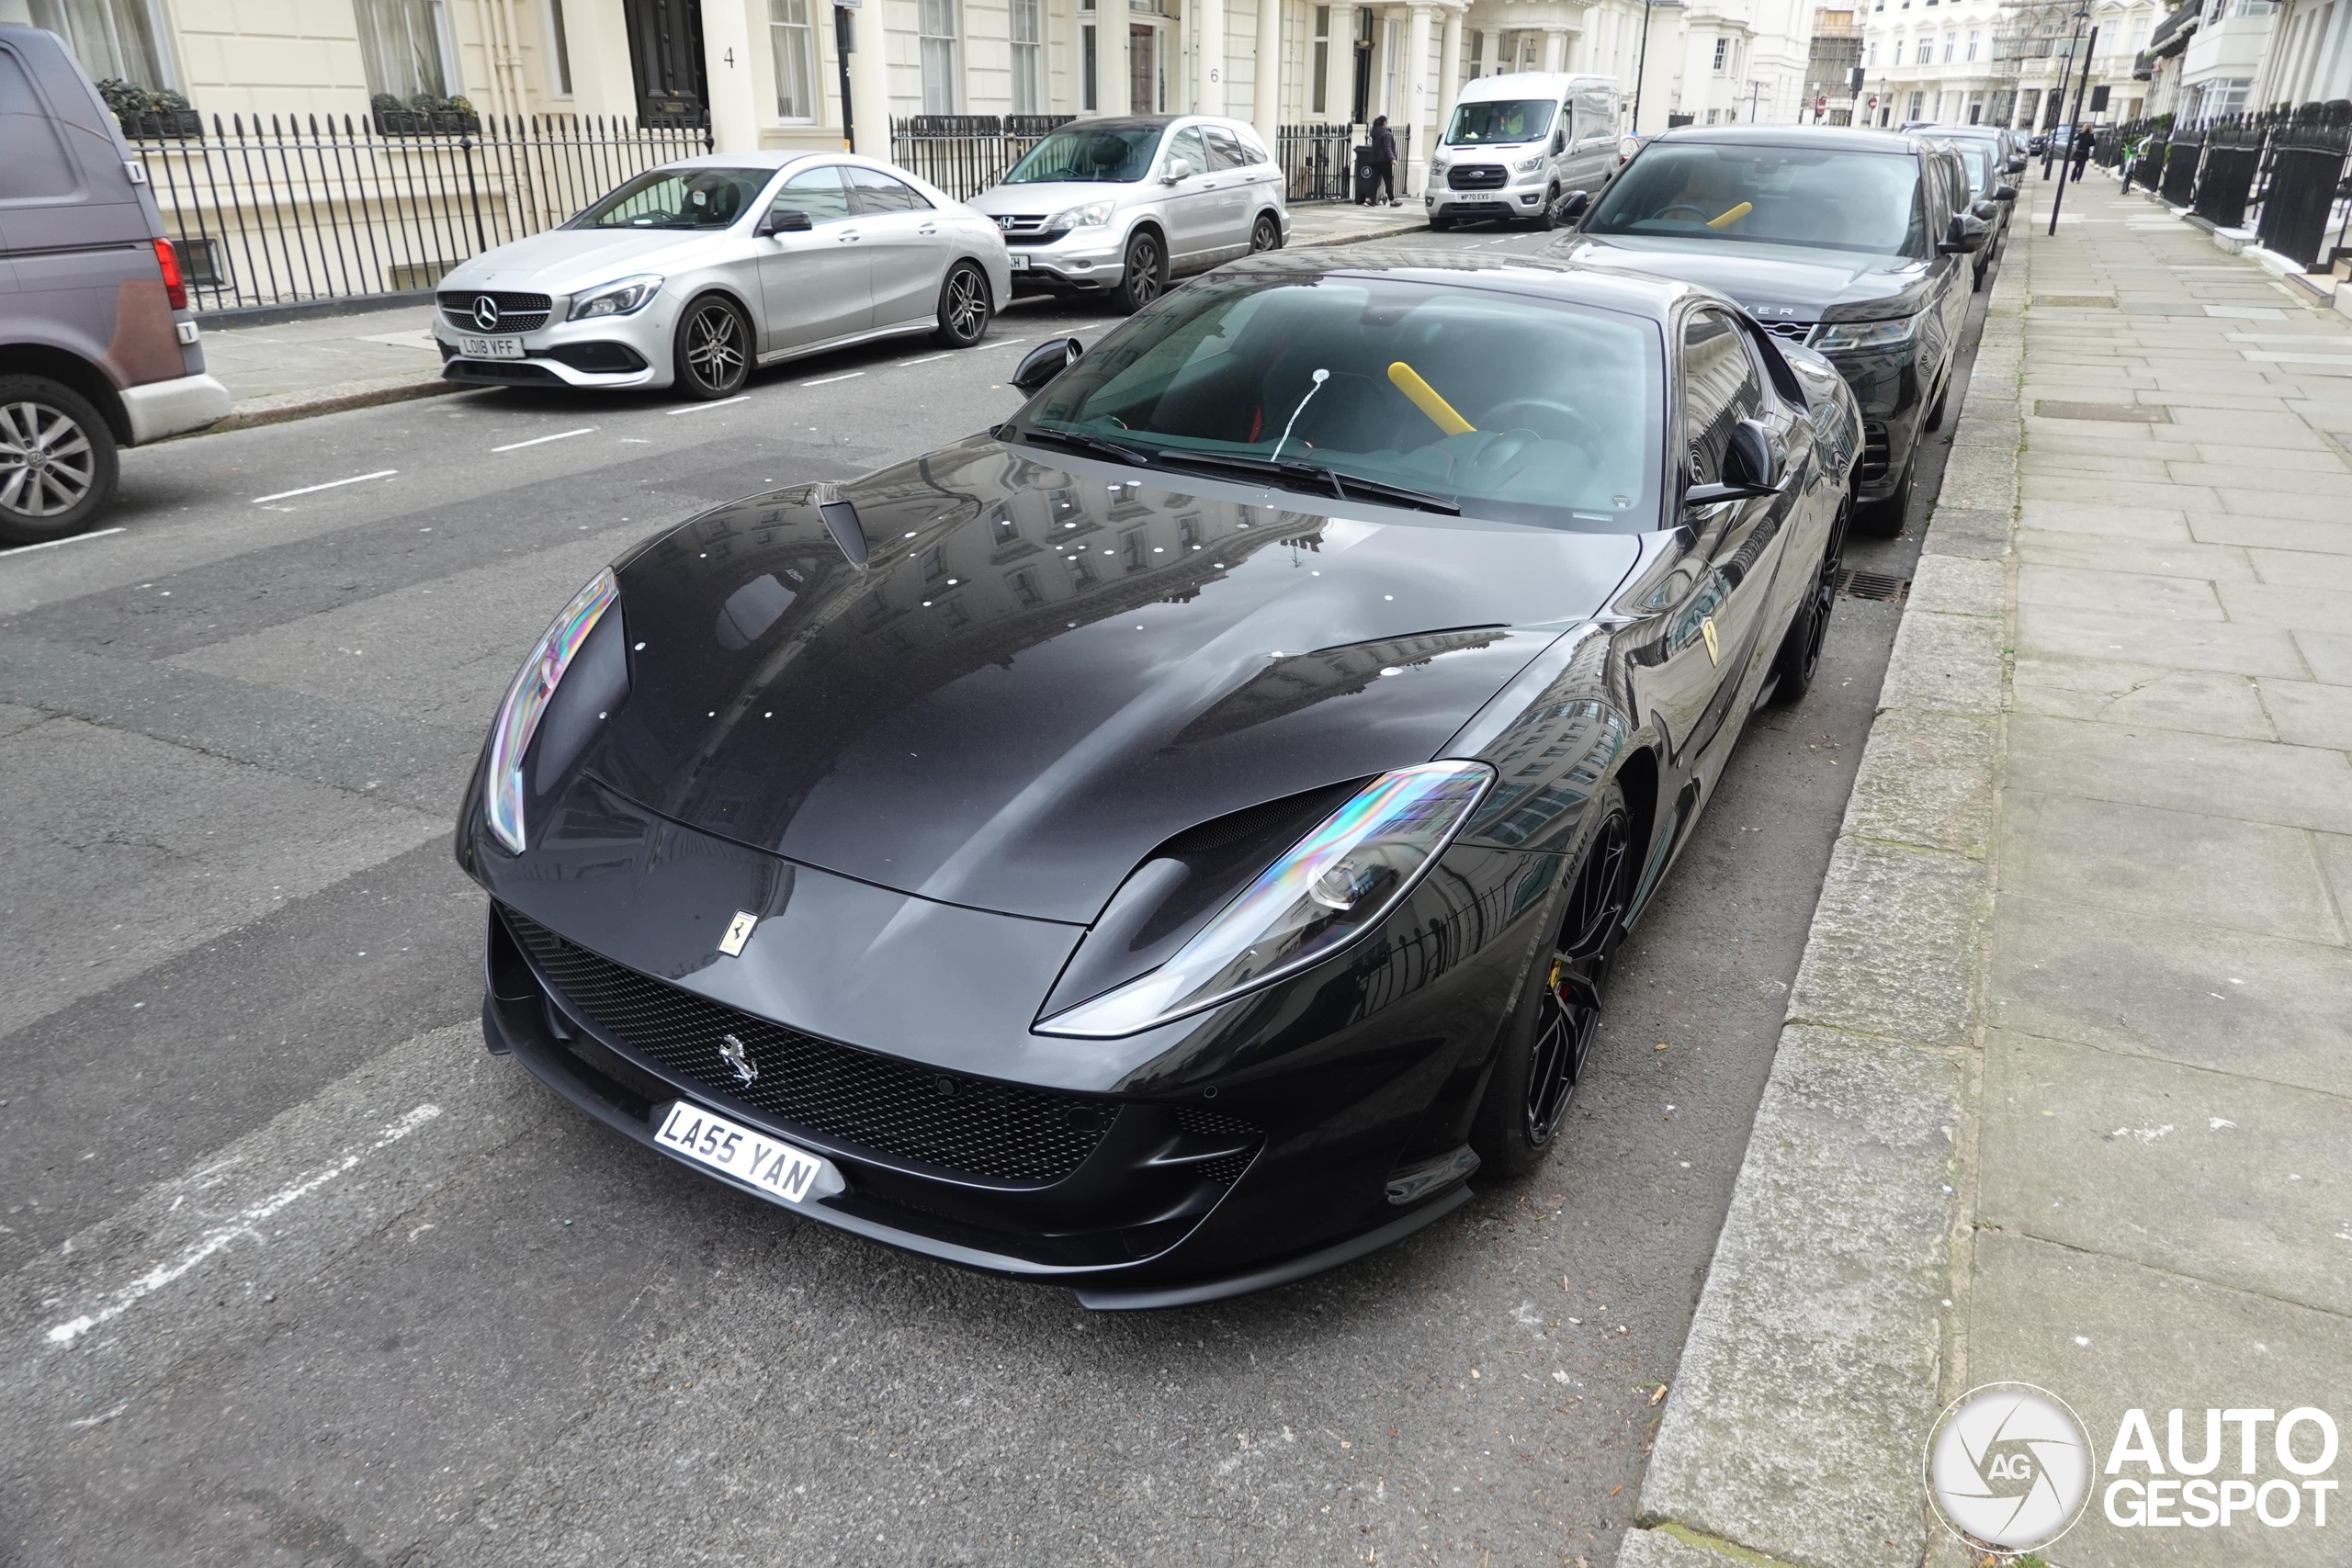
<point x="840" y="521"/>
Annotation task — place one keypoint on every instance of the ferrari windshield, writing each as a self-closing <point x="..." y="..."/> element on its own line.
<point x="1773" y="195"/>
<point x="1098" y="153"/>
<point x="1501" y="404"/>
<point x="679" y="198"/>
<point x="1503" y="120"/>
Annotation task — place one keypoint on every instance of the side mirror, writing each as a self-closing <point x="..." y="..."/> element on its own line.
<point x="1559" y="143"/>
<point x="1750" y="468"/>
<point x="2016" y="166"/>
<point x="1178" y="169"/>
<point x="2005" y="193"/>
<point x="1967" y="232"/>
<point x="787" y="220"/>
<point x="1989" y="209"/>
<point x="1045" y="361"/>
<point x="1572" y="207"/>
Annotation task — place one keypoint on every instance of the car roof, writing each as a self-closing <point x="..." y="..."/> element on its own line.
<point x="1572" y="282"/>
<point x="1830" y="137"/>
<point x="1520" y="83"/>
<point x="1979" y="132"/>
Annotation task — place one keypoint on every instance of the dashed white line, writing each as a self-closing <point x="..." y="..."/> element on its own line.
<point x="829" y="380"/>
<point x="698" y="408"/>
<point x="331" y="484"/>
<point x="926" y="359"/>
<point x="543" y="440"/>
<point x="163" y="1274"/>
<point x="52" y="544"/>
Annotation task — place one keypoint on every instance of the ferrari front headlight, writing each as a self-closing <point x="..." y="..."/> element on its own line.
<point x="1329" y="888"/>
<point x="526" y="703"/>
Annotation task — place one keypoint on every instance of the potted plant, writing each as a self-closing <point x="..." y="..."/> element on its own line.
<point x="424" y="114"/>
<point x="148" y="116"/>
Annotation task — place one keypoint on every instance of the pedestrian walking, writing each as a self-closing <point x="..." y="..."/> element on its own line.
<point x="2084" y="141"/>
<point x="1384" y="164"/>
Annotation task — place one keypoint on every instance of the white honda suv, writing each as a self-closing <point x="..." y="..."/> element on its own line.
<point x="1121" y="206"/>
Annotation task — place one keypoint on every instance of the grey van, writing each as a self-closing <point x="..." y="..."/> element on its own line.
<point x="98" y="349"/>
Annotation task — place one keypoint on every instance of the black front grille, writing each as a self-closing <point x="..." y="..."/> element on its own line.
<point x="1477" y="176"/>
<point x="1226" y="1169"/>
<point x="897" y="1109"/>
<point x="516" y="312"/>
<point x="598" y="358"/>
<point x="520" y="371"/>
<point x="1874" y="450"/>
<point x="1795" y="332"/>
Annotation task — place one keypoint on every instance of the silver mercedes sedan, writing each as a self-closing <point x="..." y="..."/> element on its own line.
<point x="693" y="273"/>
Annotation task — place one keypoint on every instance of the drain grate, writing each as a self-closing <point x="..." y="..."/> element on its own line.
<point x="1873" y="585"/>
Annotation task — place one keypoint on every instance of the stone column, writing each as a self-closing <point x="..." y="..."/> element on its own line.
<point x="869" y="80"/>
<point x="734" y="85"/>
<point x="1267" y="67"/>
<point x="1339" y="78"/>
<point x="1555" y="49"/>
<point x="1449" y="73"/>
<point x="1111" y="87"/>
<point x="1207" y="19"/>
<point x="1413" y="81"/>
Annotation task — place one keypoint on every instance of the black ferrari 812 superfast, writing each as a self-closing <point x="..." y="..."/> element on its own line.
<point x="1171" y="842"/>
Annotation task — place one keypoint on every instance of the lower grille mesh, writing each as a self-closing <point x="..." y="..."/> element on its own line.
<point x="969" y="1125"/>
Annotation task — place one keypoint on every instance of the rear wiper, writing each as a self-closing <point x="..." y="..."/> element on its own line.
<point x="1317" y="476"/>
<point x="1080" y="441"/>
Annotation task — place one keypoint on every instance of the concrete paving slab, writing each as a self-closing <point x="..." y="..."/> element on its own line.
<point x="2256" y="781"/>
<point x="2174" y="988"/>
<point x="2103" y="521"/>
<point x="2277" y="604"/>
<point x="1891" y="938"/>
<point x="2305" y="569"/>
<point x="2053" y="547"/>
<point x="2107" y="1336"/>
<point x="1951" y="663"/>
<point x="2149" y="640"/>
<point x="1926" y="780"/>
<point x="2248" y="877"/>
<point x="2168" y="596"/>
<point x="2329" y="655"/>
<point x="2308" y="712"/>
<point x="14" y="718"/>
<point x="2302" y="534"/>
<point x="2313" y="455"/>
<point x="2326" y="506"/>
<point x="1953" y="585"/>
<point x="2269" y="479"/>
<point x="2208" y="1174"/>
<point x="2116" y="693"/>
<point x="2114" y="492"/>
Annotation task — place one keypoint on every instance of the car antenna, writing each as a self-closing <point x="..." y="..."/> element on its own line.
<point x="1321" y="376"/>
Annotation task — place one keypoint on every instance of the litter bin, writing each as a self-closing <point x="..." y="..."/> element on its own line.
<point x="1367" y="172"/>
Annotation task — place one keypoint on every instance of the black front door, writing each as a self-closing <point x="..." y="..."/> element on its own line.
<point x="1360" y="106"/>
<point x="665" y="55"/>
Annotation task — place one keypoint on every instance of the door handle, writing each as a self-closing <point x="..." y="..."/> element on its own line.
<point x="928" y="229"/>
<point x="848" y="239"/>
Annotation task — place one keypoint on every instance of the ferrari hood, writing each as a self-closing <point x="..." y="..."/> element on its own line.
<point x="1046" y="667"/>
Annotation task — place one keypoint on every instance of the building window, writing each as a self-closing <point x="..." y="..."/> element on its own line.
<point x="1918" y="102"/>
<point x="1723" y="53"/>
<point x="1321" y="94"/>
<point x="795" y="58"/>
<point x="118" y="38"/>
<point x="1948" y="40"/>
<point x="1711" y="114"/>
<point x="1090" y="56"/>
<point x="1873" y="60"/>
<point x="1926" y="51"/>
<point x="942" y="67"/>
<point x="559" y="50"/>
<point x="404" y="46"/>
<point x="1972" y="46"/>
<point x="1478" y="54"/>
<point x="1028" y="59"/>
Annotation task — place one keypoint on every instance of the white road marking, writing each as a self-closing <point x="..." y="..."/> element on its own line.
<point x="216" y="1241"/>
<point x="829" y="380"/>
<point x="698" y="408"/>
<point x="52" y="544"/>
<point x="331" y="484"/>
<point x="542" y="440"/>
<point x="926" y="359"/>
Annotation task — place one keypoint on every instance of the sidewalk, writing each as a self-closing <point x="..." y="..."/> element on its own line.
<point x="2062" y="1097"/>
<point x="295" y="369"/>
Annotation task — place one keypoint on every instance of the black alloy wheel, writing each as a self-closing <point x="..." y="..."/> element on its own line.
<point x="1266" y="235"/>
<point x="1145" y="277"/>
<point x="964" y="306"/>
<point x="58" y="462"/>
<point x="1550" y="1031"/>
<point x="713" y="349"/>
<point x="1799" y="659"/>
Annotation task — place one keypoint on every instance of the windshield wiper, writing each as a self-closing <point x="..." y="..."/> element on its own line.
<point x="1317" y="476"/>
<point x="1080" y="441"/>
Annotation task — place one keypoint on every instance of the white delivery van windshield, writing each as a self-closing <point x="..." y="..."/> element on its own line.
<point x="1501" y="120"/>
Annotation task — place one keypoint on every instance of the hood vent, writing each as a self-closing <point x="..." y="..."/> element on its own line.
<point x="840" y="521"/>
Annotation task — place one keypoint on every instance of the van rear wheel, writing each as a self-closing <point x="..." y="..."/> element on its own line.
<point x="58" y="461"/>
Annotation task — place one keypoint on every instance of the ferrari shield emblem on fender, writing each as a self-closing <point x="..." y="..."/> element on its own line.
<point x="739" y="930"/>
<point x="1706" y="629"/>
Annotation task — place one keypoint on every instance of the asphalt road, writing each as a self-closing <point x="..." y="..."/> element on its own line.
<point x="298" y="1274"/>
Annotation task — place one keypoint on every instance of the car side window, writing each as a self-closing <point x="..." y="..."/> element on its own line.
<point x="819" y="192"/>
<point x="878" y="192"/>
<point x="1225" y="148"/>
<point x="1720" y="387"/>
<point x="1187" y="144"/>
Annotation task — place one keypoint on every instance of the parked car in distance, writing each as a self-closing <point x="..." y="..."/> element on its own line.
<point x="98" y="349"/>
<point x="1852" y="241"/>
<point x="1517" y="144"/>
<point x="1121" y="206"/>
<point x="691" y="274"/>
<point x="1014" y="856"/>
<point x="1990" y="197"/>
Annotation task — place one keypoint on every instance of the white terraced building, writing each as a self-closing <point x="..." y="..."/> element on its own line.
<point x="1995" y="63"/>
<point x="771" y="73"/>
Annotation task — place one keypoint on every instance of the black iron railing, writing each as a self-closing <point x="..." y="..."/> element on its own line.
<point x="2178" y="182"/>
<point x="1319" y="162"/>
<point x="2234" y="150"/>
<point x="963" y="155"/>
<point x="2307" y="181"/>
<point x="2285" y="173"/>
<point x="307" y="209"/>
